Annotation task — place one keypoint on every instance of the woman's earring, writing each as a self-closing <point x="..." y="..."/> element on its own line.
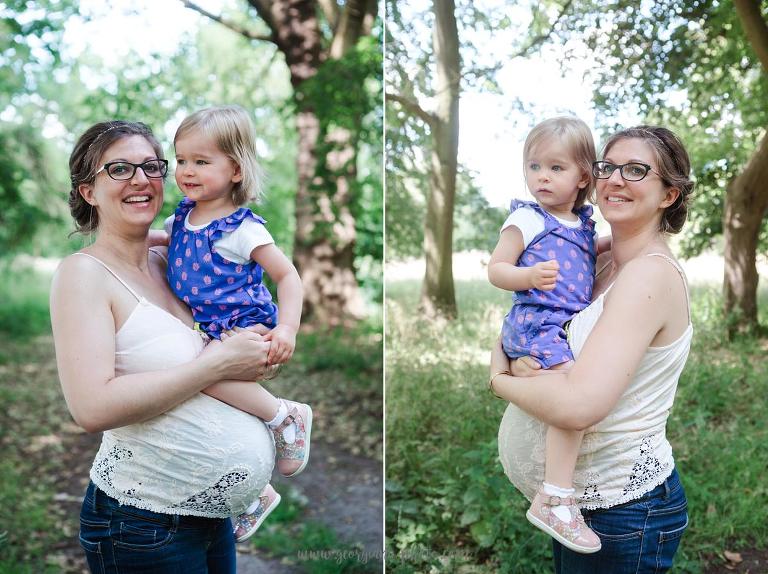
<point x="90" y="225"/>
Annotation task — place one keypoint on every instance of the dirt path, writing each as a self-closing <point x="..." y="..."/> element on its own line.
<point x="745" y="562"/>
<point x="345" y="494"/>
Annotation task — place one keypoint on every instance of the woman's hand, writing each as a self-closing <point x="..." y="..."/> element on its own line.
<point x="499" y="360"/>
<point x="240" y="356"/>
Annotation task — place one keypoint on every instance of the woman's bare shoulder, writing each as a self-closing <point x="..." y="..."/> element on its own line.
<point x="649" y="280"/>
<point x="79" y="280"/>
<point x="80" y="268"/>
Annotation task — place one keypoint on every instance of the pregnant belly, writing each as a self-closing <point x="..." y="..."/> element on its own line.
<point x="522" y="449"/>
<point x="203" y="457"/>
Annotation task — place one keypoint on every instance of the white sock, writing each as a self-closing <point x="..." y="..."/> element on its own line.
<point x="561" y="510"/>
<point x="254" y="505"/>
<point x="289" y="432"/>
<point x="282" y="412"/>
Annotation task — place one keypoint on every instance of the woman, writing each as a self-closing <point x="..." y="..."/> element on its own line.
<point x="174" y="463"/>
<point x="630" y="345"/>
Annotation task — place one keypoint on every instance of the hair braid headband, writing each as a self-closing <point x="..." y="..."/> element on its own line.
<point x="110" y="128"/>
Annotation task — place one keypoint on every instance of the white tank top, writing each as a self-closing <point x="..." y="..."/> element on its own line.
<point x="626" y="454"/>
<point x="201" y="458"/>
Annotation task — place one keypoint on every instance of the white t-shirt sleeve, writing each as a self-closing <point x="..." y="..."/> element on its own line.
<point x="527" y="221"/>
<point x="237" y="246"/>
<point x="168" y="223"/>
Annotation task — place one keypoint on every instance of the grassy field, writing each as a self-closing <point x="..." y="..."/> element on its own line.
<point x="450" y="508"/>
<point x="44" y="457"/>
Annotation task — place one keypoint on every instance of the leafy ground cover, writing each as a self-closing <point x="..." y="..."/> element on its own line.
<point x="449" y="505"/>
<point x="45" y="457"/>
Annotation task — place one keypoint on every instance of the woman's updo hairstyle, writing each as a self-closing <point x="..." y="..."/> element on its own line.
<point x="85" y="159"/>
<point x="674" y="169"/>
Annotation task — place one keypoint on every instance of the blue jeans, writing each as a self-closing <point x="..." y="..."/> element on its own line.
<point x="126" y="539"/>
<point x="639" y="537"/>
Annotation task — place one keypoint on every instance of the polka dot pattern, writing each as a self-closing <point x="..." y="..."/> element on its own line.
<point x="540" y="316"/>
<point x="222" y="294"/>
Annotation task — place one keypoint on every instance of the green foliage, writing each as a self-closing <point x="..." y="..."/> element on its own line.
<point x="688" y="65"/>
<point x="449" y="505"/>
<point x="22" y="179"/>
<point x="23" y="304"/>
<point x="330" y="94"/>
<point x="409" y="65"/>
<point x="352" y="350"/>
<point x="475" y="223"/>
<point x="215" y="66"/>
<point x="345" y="95"/>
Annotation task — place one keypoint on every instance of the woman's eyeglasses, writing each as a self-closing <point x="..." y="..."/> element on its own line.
<point x="123" y="170"/>
<point x="632" y="171"/>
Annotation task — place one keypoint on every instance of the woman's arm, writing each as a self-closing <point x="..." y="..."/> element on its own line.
<point x="84" y="336"/>
<point x="635" y="310"/>
<point x="290" y="296"/>
<point x="603" y="244"/>
<point x="504" y="273"/>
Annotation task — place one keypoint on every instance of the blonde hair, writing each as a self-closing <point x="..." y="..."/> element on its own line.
<point x="576" y="136"/>
<point x="232" y="130"/>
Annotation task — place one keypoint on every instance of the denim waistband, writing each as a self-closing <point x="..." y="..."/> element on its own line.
<point x="671" y="483"/>
<point x="100" y="500"/>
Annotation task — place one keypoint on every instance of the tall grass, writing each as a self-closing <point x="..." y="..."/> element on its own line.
<point x="23" y="302"/>
<point x="449" y="505"/>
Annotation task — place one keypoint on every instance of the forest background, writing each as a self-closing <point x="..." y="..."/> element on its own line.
<point x="310" y="75"/>
<point x="699" y="67"/>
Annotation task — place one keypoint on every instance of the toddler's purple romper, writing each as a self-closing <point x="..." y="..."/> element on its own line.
<point x="222" y="294"/>
<point x="535" y="324"/>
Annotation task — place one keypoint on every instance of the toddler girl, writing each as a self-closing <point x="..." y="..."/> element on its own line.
<point x="217" y="254"/>
<point x="546" y="254"/>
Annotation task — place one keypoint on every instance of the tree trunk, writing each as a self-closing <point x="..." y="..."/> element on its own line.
<point x="746" y="204"/>
<point x="437" y="293"/>
<point x="325" y="228"/>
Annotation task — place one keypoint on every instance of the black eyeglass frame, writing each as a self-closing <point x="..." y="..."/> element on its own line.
<point x="135" y="166"/>
<point x="621" y="167"/>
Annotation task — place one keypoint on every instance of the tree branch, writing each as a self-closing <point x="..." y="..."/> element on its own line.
<point x="541" y="38"/>
<point x="350" y="27"/>
<point x="412" y="107"/>
<point x="755" y="28"/>
<point x="371" y="11"/>
<point x="264" y="10"/>
<point x="524" y="51"/>
<point x="331" y="12"/>
<point x="226" y="23"/>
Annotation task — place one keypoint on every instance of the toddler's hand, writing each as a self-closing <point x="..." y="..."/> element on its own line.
<point x="526" y="367"/>
<point x="544" y="275"/>
<point x="282" y="343"/>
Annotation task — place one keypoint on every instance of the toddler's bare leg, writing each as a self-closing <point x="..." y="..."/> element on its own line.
<point x="562" y="449"/>
<point x="249" y="397"/>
